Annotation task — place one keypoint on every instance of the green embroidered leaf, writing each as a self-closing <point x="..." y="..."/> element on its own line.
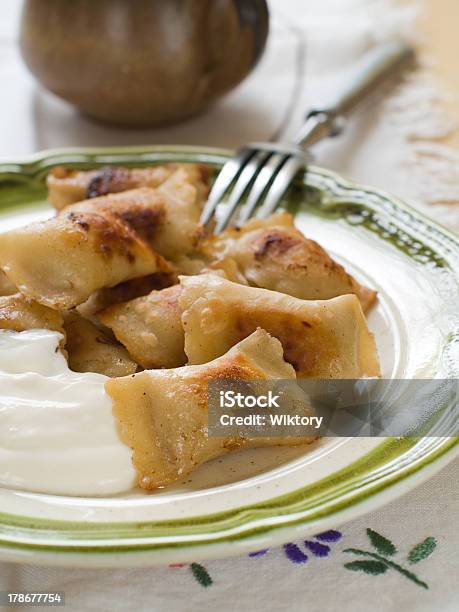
<point x="382" y="544"/>
<point x="422" y="551"/>
<point x="369" y="567"/>
<point x="386" y="562"/>
<point x="201" y="574"/>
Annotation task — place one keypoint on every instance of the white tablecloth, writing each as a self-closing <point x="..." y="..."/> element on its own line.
<point x="313" y="45"/>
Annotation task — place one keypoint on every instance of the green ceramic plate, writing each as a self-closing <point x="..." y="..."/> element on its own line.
<point x="257" y="498"/>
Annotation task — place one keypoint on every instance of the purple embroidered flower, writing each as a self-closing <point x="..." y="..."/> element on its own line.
<point x="329" y="536"/>
<point x="259" y="553"/>
<point x="317" y="549"/>
<point x="322" y="550"/>
<point x="294" y="553"/>
<point x="316" y="546"/>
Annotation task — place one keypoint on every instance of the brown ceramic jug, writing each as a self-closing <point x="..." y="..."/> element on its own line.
<point x="142" y="62"/>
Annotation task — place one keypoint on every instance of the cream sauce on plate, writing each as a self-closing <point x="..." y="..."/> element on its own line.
<point x="57" y="431"/>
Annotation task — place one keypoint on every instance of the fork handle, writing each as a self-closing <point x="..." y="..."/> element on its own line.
<point x="374" y="70"/>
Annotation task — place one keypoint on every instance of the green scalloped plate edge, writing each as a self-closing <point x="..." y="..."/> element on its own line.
<point x="394" y="467"/>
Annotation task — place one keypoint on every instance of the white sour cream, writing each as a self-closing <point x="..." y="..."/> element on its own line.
<point x="57" y="430"/>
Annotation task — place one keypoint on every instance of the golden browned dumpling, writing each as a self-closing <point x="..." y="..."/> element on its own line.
<point x="162" y="414"/>
<point x="67" y="186"/>
<point x="62" y="261"/>
<point x="91" y="350"/>
<point x="19" y="313"/>
<point x="321" y="339"/>
<point x="150" y="328"/>
<point x="167" y="217"/>
<point x="273" y="254"/>
<point x="104" y="241"/>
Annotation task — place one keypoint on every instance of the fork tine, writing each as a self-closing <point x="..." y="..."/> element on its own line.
<point x="279" y="186"/>
<point x="265" y="175"/>
<point x="248" y="172"/>
<point x="224" y="179"/>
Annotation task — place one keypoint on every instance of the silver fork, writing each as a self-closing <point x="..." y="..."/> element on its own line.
<point x="264" y="170"/>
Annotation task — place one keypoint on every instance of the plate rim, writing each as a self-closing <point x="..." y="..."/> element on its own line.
<point x="149" y="557"/>
<point x="157" y="553"/>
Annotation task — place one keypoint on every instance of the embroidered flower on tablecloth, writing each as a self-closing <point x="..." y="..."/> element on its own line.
<point x="372" y="562"/>
<point x="318" y="546"/>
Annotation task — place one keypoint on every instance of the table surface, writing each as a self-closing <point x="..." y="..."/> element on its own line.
<point x="438" y="23"/>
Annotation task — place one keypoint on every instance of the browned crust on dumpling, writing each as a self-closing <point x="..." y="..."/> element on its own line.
<point x="167" y="218"/>
<point x="273" y="254"/>
<point x="124" y="292"/>
<point x="296" y="254"/>
<point x="110" y="236"/>
<point x="112" y="179"/>
<point x="275" y="243"/>
<point x="67" y="186"/>
<point x="94" y="244"/>
<point x="120" y="219"/>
